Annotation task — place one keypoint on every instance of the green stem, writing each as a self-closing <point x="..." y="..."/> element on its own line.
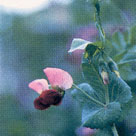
<point x="102" y="36"/>
<point x="107" y="96"/>
<point x="114" y="130"/>
<point x="91" y="98"/>
<point x="98" y="20"/>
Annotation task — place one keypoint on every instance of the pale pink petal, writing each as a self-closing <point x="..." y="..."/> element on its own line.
<point x="83" y="131"/>
<point x="39" y="85"/>
<point x="59" y="77"/>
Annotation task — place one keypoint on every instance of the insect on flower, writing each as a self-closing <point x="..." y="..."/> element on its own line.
<point x="59" y="80"/>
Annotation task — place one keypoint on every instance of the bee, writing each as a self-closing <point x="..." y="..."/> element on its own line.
<point x="92" y="50"/>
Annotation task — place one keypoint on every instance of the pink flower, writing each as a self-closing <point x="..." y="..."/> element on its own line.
<point x="60" y="81"/>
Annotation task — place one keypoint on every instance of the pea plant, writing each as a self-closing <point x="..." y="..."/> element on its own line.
<point x="107" y="66"/>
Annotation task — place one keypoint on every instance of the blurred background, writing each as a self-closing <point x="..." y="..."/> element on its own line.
<point x="37" y="34"/>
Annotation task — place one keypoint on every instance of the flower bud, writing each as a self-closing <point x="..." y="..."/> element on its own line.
<point x="105" y="77"/>
<point x="103" y="71"/>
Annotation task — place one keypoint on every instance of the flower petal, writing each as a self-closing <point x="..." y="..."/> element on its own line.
<point x="59" y="77"/>
<point x="40" y="106"/>
<point x="39" y="85"/>
<point x="47" y="98"/>
<point x="51" y="97"/>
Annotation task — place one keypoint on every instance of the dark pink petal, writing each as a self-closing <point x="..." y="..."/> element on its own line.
<point x="51" y="97"/>
<point x="39" y="105"/>
<point x="59" y="77"/>
<point x="47" y="98"/>
<point x="39" y="85"/>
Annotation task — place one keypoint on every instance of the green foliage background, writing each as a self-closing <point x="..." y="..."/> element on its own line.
<point x="30" y="43"/>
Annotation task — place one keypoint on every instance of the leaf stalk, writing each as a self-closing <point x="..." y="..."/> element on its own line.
<point x="114" y="130"/>
<point x="91" y="98"/>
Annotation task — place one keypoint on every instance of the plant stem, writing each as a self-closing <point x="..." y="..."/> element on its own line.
<point x="102" y="35"/>
<point x="91" y="98"/>
<point x="114" y="130"/>
<point x="107" y="96"/>
<point x="97" y="19"/>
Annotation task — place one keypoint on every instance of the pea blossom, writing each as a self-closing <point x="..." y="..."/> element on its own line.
<point x="59" y="80"/>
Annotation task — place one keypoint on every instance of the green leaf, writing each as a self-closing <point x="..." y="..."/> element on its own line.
<point x="125" y="56"/>
<point x="116" y="89"/>
<point x="108" y="48"/>
<point x="100" y="118"/>
<point x="94" y="115"/>
<point x="78" y="44"/>
<point x="119" y="91"/>
<point x="129" y="56"/>
<point x="128" y="70"/>
<point x="92" y="76"/>
<point x="124" y="40"/>
<point x="133" y="35"/>
<point x="118" y="41"/>
<point x="104" y="132"/>
<point x="118" y="57"/>
<point x="104" y="83"/>
<point x="124" y="51"/>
